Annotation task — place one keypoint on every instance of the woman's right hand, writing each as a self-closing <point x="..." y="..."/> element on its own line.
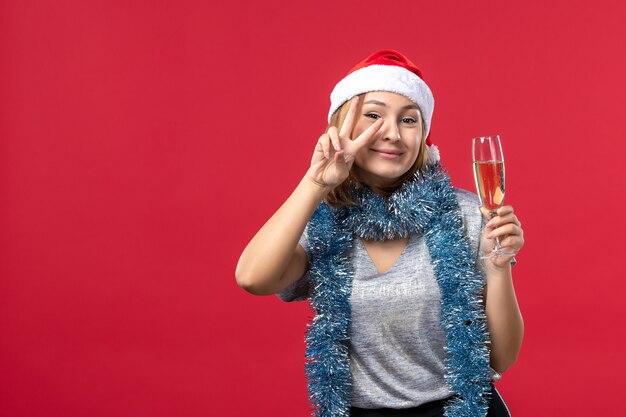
<point x="335" y="151"/>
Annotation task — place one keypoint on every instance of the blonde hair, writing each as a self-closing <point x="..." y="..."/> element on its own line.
<point x="340" y="195"/>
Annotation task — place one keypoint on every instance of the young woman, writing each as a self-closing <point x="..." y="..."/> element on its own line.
<point x="409" y="320"/>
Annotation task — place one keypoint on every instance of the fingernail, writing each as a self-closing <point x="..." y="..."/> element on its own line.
<point x="490" y="224"/>
<point x="337" y="147"/>
<point x="490" y="235"/>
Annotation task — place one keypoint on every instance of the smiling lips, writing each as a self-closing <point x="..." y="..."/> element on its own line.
<point x="388" y="153"/>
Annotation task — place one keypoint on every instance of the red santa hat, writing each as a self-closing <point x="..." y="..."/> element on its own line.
<point x="388" y="70"/>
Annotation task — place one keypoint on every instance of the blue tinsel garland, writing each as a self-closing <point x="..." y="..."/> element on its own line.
<point x="426" y="205"/>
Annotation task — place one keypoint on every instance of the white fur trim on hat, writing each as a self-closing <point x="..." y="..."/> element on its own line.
<point x="385" y="78"/>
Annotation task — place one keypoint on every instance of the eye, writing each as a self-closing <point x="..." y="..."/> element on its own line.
<point x="409" y="120"/>
<point x="373" y="116"/>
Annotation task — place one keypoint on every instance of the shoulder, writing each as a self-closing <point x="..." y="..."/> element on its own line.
<point x="469" y="203"/>
<point x="466" y="197"/>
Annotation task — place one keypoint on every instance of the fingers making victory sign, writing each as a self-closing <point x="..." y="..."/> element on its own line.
<point x="335" y="151"/>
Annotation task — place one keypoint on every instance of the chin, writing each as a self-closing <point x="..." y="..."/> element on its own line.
<point x="390" y="173"/>
<point x="381" y="173"/>
<point x="382" y="178"/>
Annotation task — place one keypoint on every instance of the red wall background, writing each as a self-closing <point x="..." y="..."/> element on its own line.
<point x="143" y="143"/>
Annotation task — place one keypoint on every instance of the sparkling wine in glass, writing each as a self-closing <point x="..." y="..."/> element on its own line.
<point x="489" y="176"/>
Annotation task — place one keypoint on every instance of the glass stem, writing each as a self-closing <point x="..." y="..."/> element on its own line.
<point x="497" y="250"/>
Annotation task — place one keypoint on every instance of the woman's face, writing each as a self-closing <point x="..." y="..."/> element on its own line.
<point x="396" y="145"/>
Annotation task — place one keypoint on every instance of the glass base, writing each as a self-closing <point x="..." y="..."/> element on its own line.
<point x="498" y="253"/>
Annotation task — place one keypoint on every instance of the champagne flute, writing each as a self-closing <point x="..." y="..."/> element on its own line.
<point x="489" y="176"/>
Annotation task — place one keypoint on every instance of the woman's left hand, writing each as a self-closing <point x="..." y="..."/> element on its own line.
<point x="506" y="227"/>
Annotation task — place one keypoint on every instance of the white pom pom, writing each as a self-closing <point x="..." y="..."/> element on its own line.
<point x="433" y="154"/>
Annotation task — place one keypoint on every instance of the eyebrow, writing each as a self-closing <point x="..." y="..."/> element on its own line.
<point x="380" y="103"/>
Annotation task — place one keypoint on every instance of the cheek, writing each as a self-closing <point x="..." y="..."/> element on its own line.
<point x="414" y="143"/>
<point x="360" y="157"/>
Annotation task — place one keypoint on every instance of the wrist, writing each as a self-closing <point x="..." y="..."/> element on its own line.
<point x="317" y="186"/>
<point x="497" y="266"/>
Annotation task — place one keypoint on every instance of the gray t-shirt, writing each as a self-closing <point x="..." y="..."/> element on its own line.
<point x="396" y="339"/>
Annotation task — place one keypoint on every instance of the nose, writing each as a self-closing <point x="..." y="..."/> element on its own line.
<point x="391" y="132"/>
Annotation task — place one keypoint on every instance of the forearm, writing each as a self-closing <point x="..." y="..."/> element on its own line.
<point x="504" y="319"/>
<point x="268" y="256"/>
